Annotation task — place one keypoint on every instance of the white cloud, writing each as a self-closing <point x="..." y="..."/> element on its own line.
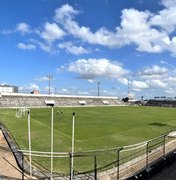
<point x="23" y="28"/>
<point x="91" y="68"/>
<point x="44" y="78"/>
<point x="47" y="47"/>
<point x="169" y="3"/>
<point x="123" y="80"/>
<point x="29" y="87"/>
<point x="165" y="19"/>
<point x="135" y="29"/>
<point x="72" y="91"/>
<point x="52" y="32"/>
<point x="65" y="15"/>
<point x="139" y="85"/>
<point x="76" y="50"/>
<point x="148" y="31"/>
<point x="170" y="90"/>
<point x="91" y="81"/>
<point x="172" y="80"/>
<point x="154" y="71"/>
<point x="156" y="83"/>
<point x="65" y="11"/>
<point x="26" y="46"/>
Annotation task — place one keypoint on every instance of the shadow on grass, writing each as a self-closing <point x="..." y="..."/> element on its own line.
<point x="158" y="124"/>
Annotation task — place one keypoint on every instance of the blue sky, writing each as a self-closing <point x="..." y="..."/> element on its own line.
<point x="82" y="42"/>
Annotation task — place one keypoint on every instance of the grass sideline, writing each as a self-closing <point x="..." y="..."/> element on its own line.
<point x="95" y="128"/>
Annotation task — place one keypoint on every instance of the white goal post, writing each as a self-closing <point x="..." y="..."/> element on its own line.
<point x="21" y="112"/>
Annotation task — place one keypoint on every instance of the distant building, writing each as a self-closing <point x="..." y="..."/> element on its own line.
<point x="8" y="89"/>
<point x="35" y="92"/>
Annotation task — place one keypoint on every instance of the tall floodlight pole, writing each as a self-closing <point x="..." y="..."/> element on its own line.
<point x="73" y="140"/>
<point x="50" y="77"/>
<point x="128" y="91"/>
<point x="98" y="84"/>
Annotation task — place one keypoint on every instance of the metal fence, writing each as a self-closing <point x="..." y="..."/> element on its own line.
<point x="115" y="163"/>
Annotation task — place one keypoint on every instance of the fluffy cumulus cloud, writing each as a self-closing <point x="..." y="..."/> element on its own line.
<point x="153" y="72"/>
<point x="76" y="50"/>
<point x="156" y="83"/>
<point x="29" y="87"/>
<point x="135" y="29"/>
<point x="92" y="68"/>
<point x="26" y="46"/>
<point x="155" y="77"/>
<point x="52" y="32"/>
<point x="149" y="32"/>
<point x="139" y="85"/>
<point x="169" y="3"/>
<point x="66" y="14"/>
<point x="23" y="28"/>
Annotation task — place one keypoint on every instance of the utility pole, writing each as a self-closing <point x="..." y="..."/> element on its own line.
<point x="50" y="77"/>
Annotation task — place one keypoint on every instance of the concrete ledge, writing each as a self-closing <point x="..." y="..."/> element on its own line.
<point x="155" y="167"/>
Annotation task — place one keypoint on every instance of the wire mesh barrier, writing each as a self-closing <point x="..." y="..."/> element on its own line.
<point x="114" y="163"/>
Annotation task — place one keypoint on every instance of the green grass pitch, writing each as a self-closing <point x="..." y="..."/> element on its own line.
<point x="95" y="128"/>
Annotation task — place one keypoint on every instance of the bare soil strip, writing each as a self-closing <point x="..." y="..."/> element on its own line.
<point x="8" y="166"/>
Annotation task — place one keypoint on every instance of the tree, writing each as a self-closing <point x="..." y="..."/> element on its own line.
<point x="125" y="99"/>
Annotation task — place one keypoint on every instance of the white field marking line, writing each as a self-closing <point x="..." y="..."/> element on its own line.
<point x="134" y="148"/>
<point x="54" y="129"/>
<point x="134" y="145"/>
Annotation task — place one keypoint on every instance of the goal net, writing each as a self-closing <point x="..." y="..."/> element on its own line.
<point x="21" y="112"/>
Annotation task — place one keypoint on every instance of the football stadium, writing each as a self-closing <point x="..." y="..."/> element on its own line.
<point x="82" y="137"/>
<point x="88" y="90"/>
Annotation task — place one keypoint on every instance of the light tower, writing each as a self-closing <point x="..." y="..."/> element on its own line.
<point x="50" y="77"/>
<point x="128" y="91"/>
<point x="98" y="84"/>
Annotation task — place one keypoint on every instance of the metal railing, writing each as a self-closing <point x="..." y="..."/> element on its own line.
<point x="116" y="163"/>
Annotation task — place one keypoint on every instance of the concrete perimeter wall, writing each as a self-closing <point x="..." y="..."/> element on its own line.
<point x="38" y="100"/>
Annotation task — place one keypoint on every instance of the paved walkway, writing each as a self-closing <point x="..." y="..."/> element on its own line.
<point x="8" y="166"/>
<point x="130" y="168"/>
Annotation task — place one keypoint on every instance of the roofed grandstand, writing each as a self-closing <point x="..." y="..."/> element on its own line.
<point x="161" y="102"/>
<point x="38" y="100"/>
